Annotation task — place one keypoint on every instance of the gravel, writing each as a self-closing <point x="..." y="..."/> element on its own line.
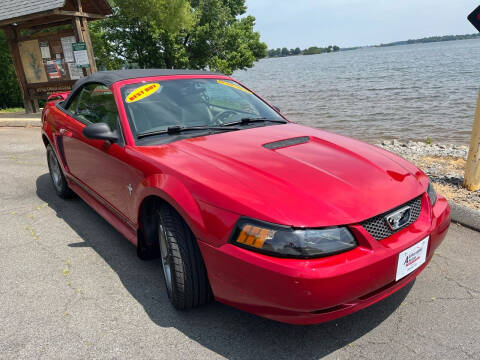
<point x="415" y="149"/>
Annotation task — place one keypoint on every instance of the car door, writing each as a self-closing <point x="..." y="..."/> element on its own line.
<point x="98" y="166"/>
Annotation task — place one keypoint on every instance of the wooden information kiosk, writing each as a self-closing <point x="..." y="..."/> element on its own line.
<point x="50" y="43"/>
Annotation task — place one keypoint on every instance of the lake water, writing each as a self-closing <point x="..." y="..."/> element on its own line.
<point x="406" y="92"/>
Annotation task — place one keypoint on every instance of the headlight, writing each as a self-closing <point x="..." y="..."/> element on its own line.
<point x="431" y="194"/>
<point x="284" y="241"/>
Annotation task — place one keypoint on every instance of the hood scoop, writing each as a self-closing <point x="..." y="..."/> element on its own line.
<point x="288" y="142"/>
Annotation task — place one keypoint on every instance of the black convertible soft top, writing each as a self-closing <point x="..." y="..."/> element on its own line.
<point x="108" y="78"/>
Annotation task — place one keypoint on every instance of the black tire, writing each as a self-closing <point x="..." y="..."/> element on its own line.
<point x="189" y="282"/>
<point x="56" y="175"/>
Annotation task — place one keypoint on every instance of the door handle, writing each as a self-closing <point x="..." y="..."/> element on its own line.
<point x="65" y="132"/>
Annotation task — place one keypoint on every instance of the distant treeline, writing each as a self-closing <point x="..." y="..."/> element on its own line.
<point x="297" y="51"/>
<point x="432" y="39"/>
<point x="318" y="50"/>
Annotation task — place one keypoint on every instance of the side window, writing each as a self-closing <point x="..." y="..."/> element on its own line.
<point x="95" y="103"/>
<point x="73" y="105"/>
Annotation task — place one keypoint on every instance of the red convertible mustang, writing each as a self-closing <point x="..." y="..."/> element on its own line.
<point x="291" y="223"/>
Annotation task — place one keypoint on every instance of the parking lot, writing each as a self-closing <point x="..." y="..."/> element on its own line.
<point x="71" y="287"/>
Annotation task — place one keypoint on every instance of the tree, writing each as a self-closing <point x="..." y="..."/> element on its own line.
<point x="10" y="93"/>
<point x="194" y="34"/>
<point x="297" y="51"/>
<point x="313" y="50"/>
<point x="285" y="51"/>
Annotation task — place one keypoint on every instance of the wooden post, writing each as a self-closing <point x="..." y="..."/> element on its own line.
<point x="80" y="24"/>
<point x="77" y="28"/>
<point x="36" y="107"/>
<point x="472" y="169"/>
<point x="88" y="42"/>
<point x="30" y="104"/>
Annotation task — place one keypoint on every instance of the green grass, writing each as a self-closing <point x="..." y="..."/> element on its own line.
<point x="11" y="110"/>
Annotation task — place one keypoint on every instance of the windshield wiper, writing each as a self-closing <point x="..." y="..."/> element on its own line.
<point x="245" y="121"/>
<point x="179" y="129"/>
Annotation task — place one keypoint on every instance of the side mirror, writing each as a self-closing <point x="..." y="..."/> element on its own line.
<point x="100" y="131"/>
<point x="276" y="109"/>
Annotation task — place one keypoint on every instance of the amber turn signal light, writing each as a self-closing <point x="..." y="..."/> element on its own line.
<point x="255" y="236"/>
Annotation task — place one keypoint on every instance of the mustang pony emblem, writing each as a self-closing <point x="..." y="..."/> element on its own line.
<point x="399" y="218"/>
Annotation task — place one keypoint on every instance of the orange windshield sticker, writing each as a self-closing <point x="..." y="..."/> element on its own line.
<point x="234" y="86"/>
<point x="142" y="92"/>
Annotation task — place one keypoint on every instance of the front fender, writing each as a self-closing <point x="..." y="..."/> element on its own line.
<point x="174" y="192"/>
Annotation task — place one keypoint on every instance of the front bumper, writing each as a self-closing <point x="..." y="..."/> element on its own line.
<point x="318" y="290"/>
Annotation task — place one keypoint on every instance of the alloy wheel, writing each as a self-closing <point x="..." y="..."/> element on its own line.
<point x="55" y="171"/>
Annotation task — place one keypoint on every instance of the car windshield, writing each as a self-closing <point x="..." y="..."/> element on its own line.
<point x="156" y="106"/>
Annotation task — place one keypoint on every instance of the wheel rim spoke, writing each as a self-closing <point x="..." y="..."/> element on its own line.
<point x="54" y="169"/>
<point x="166" y="258"/>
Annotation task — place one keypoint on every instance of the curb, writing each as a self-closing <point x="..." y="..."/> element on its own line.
<point x="21" y="123"/>
<point x="465" y="216"/>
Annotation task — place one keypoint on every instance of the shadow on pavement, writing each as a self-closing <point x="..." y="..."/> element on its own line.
<point x="222" y="329"/>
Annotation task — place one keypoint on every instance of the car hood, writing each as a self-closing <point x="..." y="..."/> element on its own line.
<point x="296" y="175"/>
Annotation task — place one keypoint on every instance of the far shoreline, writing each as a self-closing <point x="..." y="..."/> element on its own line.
<point x="425" y="40"/>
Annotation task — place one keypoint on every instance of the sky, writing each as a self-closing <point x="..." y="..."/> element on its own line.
<point x="348" y="23"/>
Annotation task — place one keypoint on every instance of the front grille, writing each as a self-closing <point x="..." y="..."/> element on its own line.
<point x="378" y="228"/>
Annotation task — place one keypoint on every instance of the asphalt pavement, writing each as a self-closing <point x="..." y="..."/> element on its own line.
<point x="71" y="287"/>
